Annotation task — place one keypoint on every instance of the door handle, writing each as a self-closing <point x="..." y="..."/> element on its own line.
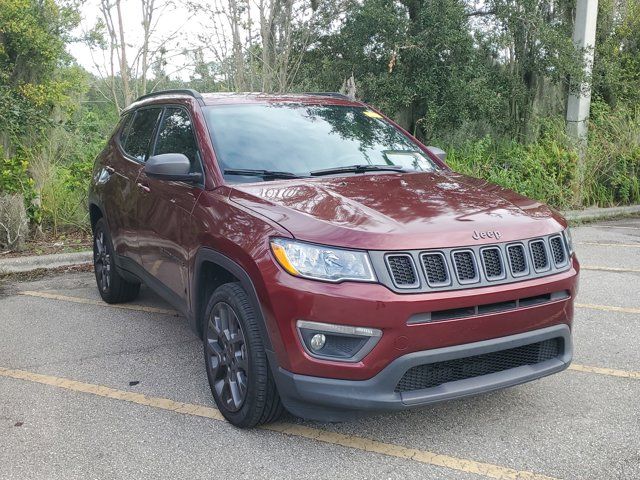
<point x="110" y="169"/>
<point x="144" y="187"/>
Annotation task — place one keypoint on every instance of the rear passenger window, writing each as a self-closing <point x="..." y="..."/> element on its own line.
<point x="125" y="123"/>
<point x="139" y="133"/>
<point x="176" y="136"/>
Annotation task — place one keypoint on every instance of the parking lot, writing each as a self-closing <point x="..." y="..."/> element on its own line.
<point x="89" y="390"/>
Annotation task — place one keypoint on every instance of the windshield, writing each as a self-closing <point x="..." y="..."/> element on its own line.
<point x="301" y="139"/>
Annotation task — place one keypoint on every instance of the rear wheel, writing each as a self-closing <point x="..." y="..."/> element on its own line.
<point x="237" y="367"/>
<point x="112" y="286"/>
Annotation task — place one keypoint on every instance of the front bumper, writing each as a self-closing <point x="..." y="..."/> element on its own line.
<point x="287" y="299"/>
<point x="328" y="399"/>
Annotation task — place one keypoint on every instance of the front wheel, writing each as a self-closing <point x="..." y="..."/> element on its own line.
<point x="237" y="368"/>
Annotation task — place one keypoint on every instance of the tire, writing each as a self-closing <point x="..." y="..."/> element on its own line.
<point x="241" y="382"/>
<point x="112" y="286"/>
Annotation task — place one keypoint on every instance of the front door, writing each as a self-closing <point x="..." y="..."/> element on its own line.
<point x="164" y="209"/>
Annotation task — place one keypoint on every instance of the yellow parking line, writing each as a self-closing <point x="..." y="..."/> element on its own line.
<point x="359" y="443"/>
<point x="607" y="308"/>
<point x="100" y="303"/>
<point x="605" y="371"/>
<point x="621" y="245"/>
<point x="351" y="441"/>
<point x="609" y="269"/>
<point x="102" y="391"/>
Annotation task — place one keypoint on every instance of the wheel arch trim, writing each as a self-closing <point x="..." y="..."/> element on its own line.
<point x="209" y="255"/>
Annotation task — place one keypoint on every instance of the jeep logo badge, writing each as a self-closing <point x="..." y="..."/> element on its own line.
<point x="489" y="234"/>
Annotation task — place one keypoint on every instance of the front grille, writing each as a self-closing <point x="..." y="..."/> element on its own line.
<point x="492" y="261"/>
<point x="539" y="254"/>
<point x="433" y="374"/>
<point x="435" y="268"/>
<point x="465" y="266"/>
<point x="402" y="271"/>
<point x="460" y="267"/>
<point x="557" y="250"/>
<point x="517" y="259"/>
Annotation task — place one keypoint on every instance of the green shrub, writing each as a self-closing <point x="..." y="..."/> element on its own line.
<point x="63" y="202"/>
<point x="64" y="166"/>
<point x="15" y="178"/>
<point x="14" y="175"/>
<point x="543" y="170"/>
<point x="612" y="162"/>
<point x="547" y="168"/>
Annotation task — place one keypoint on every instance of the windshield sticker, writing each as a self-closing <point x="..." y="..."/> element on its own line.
<point x="372" y="114"/>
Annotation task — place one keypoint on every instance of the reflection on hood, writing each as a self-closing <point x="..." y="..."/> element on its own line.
<point x="397" y="211"/>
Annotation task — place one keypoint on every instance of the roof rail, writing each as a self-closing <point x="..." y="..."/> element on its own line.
<point x="328" y="94"/>
<point x="182" y="91"/>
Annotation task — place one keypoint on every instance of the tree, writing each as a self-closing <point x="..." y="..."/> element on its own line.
<point x="32" y="46"/>
<point x="124" y="69"/>
<point x="616" y="73"/>
<point x="260" y="44"/>
<point x="414" y="58"/>
<point x="538" y="56"/>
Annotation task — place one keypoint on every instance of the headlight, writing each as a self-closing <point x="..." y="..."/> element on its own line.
<point x="566" y="233"/>
<point x="322" y="263"/>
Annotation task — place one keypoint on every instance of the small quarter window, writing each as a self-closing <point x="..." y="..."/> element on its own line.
<point x="139" y="132"/>
<point x="123" y="127"/>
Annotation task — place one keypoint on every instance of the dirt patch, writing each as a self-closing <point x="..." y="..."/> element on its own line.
<point x="48" y="244"/>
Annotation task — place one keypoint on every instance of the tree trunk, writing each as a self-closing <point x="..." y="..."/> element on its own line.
<point x="238" y="53"/>
<point x="147" y="17"/>
<point x="124" y="66"/>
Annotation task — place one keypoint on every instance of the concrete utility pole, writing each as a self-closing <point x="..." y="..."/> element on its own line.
<point x="584" y="37"/>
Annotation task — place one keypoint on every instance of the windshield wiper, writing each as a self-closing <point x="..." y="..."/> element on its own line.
<point x="357" y="169"/>
<point x="260" y="173"/>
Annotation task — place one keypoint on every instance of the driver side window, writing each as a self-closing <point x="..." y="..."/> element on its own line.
<point x="176" y="136"/>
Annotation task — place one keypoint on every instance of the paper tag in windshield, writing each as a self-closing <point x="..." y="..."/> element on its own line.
<point x="372" y="114"/>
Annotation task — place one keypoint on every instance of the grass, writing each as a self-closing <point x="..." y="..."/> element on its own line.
<point x="547" y="169"/>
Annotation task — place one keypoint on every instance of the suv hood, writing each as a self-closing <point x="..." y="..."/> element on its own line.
<point x="398" y="211"/>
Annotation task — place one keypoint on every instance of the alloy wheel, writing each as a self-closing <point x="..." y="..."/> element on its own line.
<point x="102" y="261"/>
<point x="227" y="356"/>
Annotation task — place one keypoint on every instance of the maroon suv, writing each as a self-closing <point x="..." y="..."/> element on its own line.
<point x="330" y="262"/>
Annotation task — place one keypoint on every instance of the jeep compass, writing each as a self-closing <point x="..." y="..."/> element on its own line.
<point x="331" y="264"/>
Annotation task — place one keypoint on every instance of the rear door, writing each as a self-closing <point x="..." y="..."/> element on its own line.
<point x="116" y="182"/>
<point x="166" y="234"/>
<point x="120" y="190"/>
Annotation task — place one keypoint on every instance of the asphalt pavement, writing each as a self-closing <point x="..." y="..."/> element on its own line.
<point x="89" y="390"/>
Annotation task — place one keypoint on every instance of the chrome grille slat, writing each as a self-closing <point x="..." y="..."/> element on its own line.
<point x="557" y="250"/>
<point x="517" y="259"/>
<point x="465" y="265"/>
<point x="539" y="255"/>
<point x="435" y="269"/>
<point x="402" y="270"/>
<point x="492" y="262"/>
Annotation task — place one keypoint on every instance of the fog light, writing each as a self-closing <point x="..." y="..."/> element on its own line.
<point x="317" y="342"/>
<point x="337" y="342"/>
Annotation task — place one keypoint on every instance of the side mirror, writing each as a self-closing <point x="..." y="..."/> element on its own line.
<point x="438" y="152"/>
<point x="171" y="166"/>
